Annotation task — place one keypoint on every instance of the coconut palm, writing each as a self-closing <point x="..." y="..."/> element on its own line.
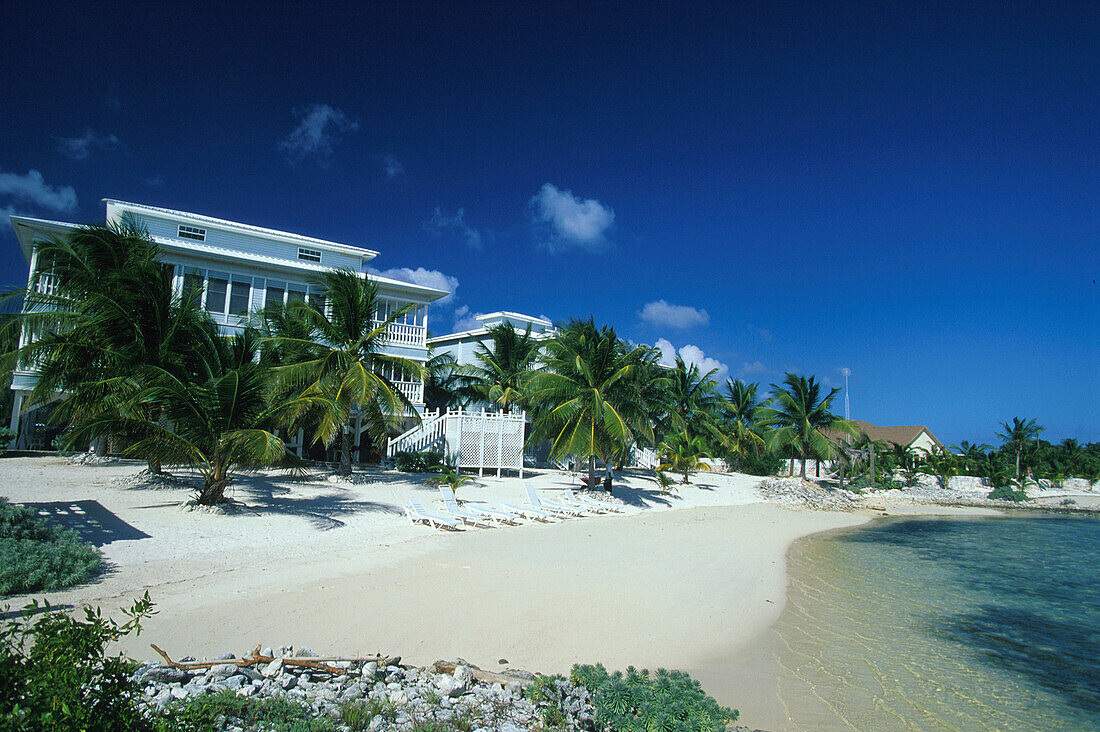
<point x="972" y="455"/>
<point x="218" y="424"/>
<point x="106" y="313"/>
<point x="1018" y="436"/>
<point x="591" y="406"/>
<point x="681" y="453"/>
<point x="802" y="419"/>
<point x="342" y="371"/>
<point x="740" y="411"/>
<point x="444" y="380"/>
<point x="692" y="398"/>
<point x="502" y="366"/>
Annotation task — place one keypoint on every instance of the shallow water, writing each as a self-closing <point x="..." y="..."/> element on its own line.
<point x="954" y="624"/>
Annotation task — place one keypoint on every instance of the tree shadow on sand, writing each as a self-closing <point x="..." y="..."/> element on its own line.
<point x="263" y="494"/>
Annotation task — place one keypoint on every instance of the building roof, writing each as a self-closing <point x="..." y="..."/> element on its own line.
<point x="366" y="254"/>
<point x="509" y="315"/>
<point x="900" y="435"/>
<point x="25" y="227"/>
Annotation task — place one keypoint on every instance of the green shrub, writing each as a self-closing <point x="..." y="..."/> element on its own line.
<point x="1008" y="492"/>
<point x="544" y="693"/>
<point x="670" y="701"/>
<point x="54" y="674"/>
<point x="417" y="462"/>
<point x="217" y="711"/>
<point x="766" y="464"/>
<point x="357" y="715"/>
<point x="37" y="555"/>
<point x="6" y="436"/>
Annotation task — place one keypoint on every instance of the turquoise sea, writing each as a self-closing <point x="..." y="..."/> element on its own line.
<point x="945" y="623"/>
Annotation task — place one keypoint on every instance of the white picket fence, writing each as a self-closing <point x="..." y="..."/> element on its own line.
<point x="483" y="440"/>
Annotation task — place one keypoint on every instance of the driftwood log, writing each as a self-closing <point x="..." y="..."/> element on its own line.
<point x="488" y="677"/>
<point x="314" y="663"/>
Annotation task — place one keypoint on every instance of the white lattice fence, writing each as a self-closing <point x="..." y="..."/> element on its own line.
<point x="486" y="440"/>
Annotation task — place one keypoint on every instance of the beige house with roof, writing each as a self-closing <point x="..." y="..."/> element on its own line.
<point x="916" y="437"/>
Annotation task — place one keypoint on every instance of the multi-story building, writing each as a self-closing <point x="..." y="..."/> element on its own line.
<point x="239" y="269"/>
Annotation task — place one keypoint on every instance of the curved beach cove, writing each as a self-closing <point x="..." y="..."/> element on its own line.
<point x="944" y="623"/>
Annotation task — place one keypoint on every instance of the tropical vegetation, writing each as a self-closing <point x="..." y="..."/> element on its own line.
<point x="39" y="555"/>
<point x="146" y="372"/>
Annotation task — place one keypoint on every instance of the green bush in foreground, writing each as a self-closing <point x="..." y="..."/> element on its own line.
<point x="37" y="555"/>
<point x="670" y="701"/>
<point x="54" y="674"/>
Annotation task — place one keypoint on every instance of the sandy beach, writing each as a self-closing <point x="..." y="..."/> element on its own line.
<point x="687" y="580"/>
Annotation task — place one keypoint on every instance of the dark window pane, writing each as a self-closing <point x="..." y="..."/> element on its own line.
<point x="215" y="294"/>
<point x="238" y="297"/>
<point x="274" y="296"/>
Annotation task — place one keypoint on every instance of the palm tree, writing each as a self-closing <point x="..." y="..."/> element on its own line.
<point x="740" y="409"/>
<point x="971" y="454"/>
<point x="106" y="315"/>
<point x="591" y="406"/>
<point x="692" y="398"/>
<point x="682" y="453"/>
<point x="802" y="419"/>
<point x="218" y="424"/>
<point x="1018" y="436"/>
<point x="444" y="380"/>
<point x="342" y="370"/>
<point x="502" y="366"/>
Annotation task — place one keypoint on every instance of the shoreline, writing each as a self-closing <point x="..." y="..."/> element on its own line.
<point x="694" y="582"/>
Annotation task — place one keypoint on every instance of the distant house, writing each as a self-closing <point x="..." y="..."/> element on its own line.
<point x="917" y="437"/>
<point x="464" y="344"/>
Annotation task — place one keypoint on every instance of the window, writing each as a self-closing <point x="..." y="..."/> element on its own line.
<point x="239" y="296"/>
<point x="317" y="300"/>
<point x="192" y="286"/>
<point x="275" y="293"/>
<point x="310" y="255"/>
<point x="190" y="232"/>
<point x="295" y="293"/>
<point x="215" y="294"/>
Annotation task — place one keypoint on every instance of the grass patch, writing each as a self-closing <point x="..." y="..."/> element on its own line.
<point x="358" y="715"/>
<point x="218" y="711"/>
<point x="37" y="555"/>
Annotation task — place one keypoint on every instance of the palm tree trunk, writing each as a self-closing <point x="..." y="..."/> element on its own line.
<point x="345" y="452"/>
<point x="154" y="466"/>
<point x="591" y="472"/>
<point x="213" y="489"/>
<point x="1018" y="464"/>
<point x="802" y="472"/>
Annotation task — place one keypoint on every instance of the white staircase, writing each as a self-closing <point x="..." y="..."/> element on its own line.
<point x="430" y="434"/>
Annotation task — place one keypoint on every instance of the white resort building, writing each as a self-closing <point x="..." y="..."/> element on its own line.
<point x="239" y="269"/>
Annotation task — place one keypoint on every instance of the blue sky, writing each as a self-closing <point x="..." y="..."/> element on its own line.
<point x="910" y="191"/>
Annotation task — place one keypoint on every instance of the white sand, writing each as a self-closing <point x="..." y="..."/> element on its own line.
<point x="337" y="567"/>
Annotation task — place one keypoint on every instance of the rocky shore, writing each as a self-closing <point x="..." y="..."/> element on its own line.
<point x="390" y="695"/>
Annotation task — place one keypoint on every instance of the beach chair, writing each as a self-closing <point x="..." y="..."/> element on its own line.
<point x="531" y="514"/>
<point x="555" y="508"/>
<point x="418" y="513"/>
<point x="472" y="514"/>
<point x="584" y="501"/>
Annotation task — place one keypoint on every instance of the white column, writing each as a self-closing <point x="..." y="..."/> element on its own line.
<point x="16" y="413"/>
<point x="481" y="446"/>
<point x="500" y="444"/>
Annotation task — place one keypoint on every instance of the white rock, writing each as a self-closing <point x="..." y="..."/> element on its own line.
<point x="399" y="698"/>
<point x="273" y="669"/>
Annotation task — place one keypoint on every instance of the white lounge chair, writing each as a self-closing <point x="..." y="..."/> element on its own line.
<point x="531" y="514"/>
<point x="472" y="514"/>
<point x="417" y="512"/>
<point x="556" y="508"/>
<point x="586" y="502"/>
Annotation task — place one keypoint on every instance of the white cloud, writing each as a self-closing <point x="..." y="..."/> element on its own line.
<point x="666" y="314"/>
<point x="392" y="166"/>
<point x="154" y="181"/>
<point x="465" y="320"/>
<point x="320" y="129"/>
<point x="424" y="277"/>
<point x="751" y="368"/>
<point x="439" y="223"/>
<point x="80" y="148"/>
<point x="32" y="189"/>
<point x="692" y="355"/>
<point x="569" y="221"/>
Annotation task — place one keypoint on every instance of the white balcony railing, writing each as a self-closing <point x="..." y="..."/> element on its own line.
<point x="405" y="335"/>
<point x="413" y="390"/>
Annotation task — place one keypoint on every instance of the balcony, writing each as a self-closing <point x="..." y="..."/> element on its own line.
<point x="413" y="390"/>
<point x="397" y="334"/>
